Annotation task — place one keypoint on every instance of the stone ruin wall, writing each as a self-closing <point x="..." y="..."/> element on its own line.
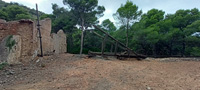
<point x="52" y="43"/>
<point x="46" y="36"/>
<point x="59" y="42"/>
<point x="27" y="37"/>
<point x="23" y="28"/>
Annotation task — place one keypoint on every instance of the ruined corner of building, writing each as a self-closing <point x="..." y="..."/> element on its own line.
<point x="19" y="40"/>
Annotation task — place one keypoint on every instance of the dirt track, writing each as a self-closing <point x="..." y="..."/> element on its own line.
<point x="69" y="72"/>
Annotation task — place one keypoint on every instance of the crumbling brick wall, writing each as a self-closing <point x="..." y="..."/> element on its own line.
<point x="23" y="28"/>
<point x="27" y="31"/>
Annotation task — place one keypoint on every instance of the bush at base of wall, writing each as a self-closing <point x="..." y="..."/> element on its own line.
<point x="10" y="43"/>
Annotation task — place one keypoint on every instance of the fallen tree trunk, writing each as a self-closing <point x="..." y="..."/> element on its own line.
<point x="92" y="54"/>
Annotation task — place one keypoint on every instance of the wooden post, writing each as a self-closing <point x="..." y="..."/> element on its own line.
<point x="117" y="44"/>
<point x="82" y="36"/>
<point x="128" y="53"/>
<point x="111" y="49"/>
<point x="115" y="39"/>
<point x="103" y="45"/>
<point x="116" y="47"/>
<point x="40" y="36"/>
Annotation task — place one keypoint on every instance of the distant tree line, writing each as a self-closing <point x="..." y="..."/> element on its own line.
<point x="15" y="11"/>
<point x="156" y="33"/>
<point x="152" y="33"/>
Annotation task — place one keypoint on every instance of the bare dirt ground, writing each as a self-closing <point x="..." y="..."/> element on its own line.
<point x="69" y="72"/>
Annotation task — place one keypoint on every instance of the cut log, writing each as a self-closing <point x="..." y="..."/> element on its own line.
<point x="90" y="53"/>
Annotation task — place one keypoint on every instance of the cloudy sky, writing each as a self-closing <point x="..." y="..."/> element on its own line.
<point x="169" y="6"/>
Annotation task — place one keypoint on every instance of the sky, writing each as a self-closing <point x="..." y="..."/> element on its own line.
<point x="169" y="6"/>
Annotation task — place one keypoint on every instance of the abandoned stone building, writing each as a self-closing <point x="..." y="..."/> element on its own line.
<point x="19" y="40"/>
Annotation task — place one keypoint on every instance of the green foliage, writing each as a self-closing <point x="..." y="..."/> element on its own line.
<point x="127" y="15"/>
<point x="108" y="26"/>
<point x="153" y="16"/>
<point x="10" y="43"/>
<point x="61" y="19"/>
<point x="3" y="4"/>
<point x="156" y="35"/>
<point x="86" y="12"/>
<point x="192" y="28"/>
<point x="76" y="35"/>
<point x="183" y="18"/>
<point x="3" y="15"/>
<point x="152" y="33"/>
<point x="9" y="11"/>
<point x="43" y="16"/>
<point x="14" y="12"/>
<point x="2" y="65"/>
<point x="120" y="34"/>
<point x="22" y="16"/>
<point x="195" y="51"/>
<point x="64" y="19"/>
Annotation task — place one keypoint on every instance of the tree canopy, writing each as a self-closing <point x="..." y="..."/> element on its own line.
<point x="126" y="15"/>
<point x="14" y="12"/>
<point x="108" y="25"/>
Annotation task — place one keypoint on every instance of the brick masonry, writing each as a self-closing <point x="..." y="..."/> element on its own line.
<point x="29" y="38"/>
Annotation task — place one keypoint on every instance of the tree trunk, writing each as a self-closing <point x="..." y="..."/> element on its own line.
<point x="127" y="27"/>
<point x="183" y="47"/>
<point x="82" y="35"/>
<point x="103" y="45"/>
<point x="116" y="47"/>
<point x="69" y="43"/>
<point x="111" y="49"/>
<point x="170" y="48"/>
<point x="154" y="50"/>
<point x="183" y="44"/>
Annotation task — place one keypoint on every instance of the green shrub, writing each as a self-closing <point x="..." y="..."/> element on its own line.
<point x="10" y="43"/>
<point x="195" y="51"/>
<point x="2" y="65"/>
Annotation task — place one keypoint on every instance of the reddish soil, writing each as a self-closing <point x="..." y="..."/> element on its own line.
<point x="69" y="72"/>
